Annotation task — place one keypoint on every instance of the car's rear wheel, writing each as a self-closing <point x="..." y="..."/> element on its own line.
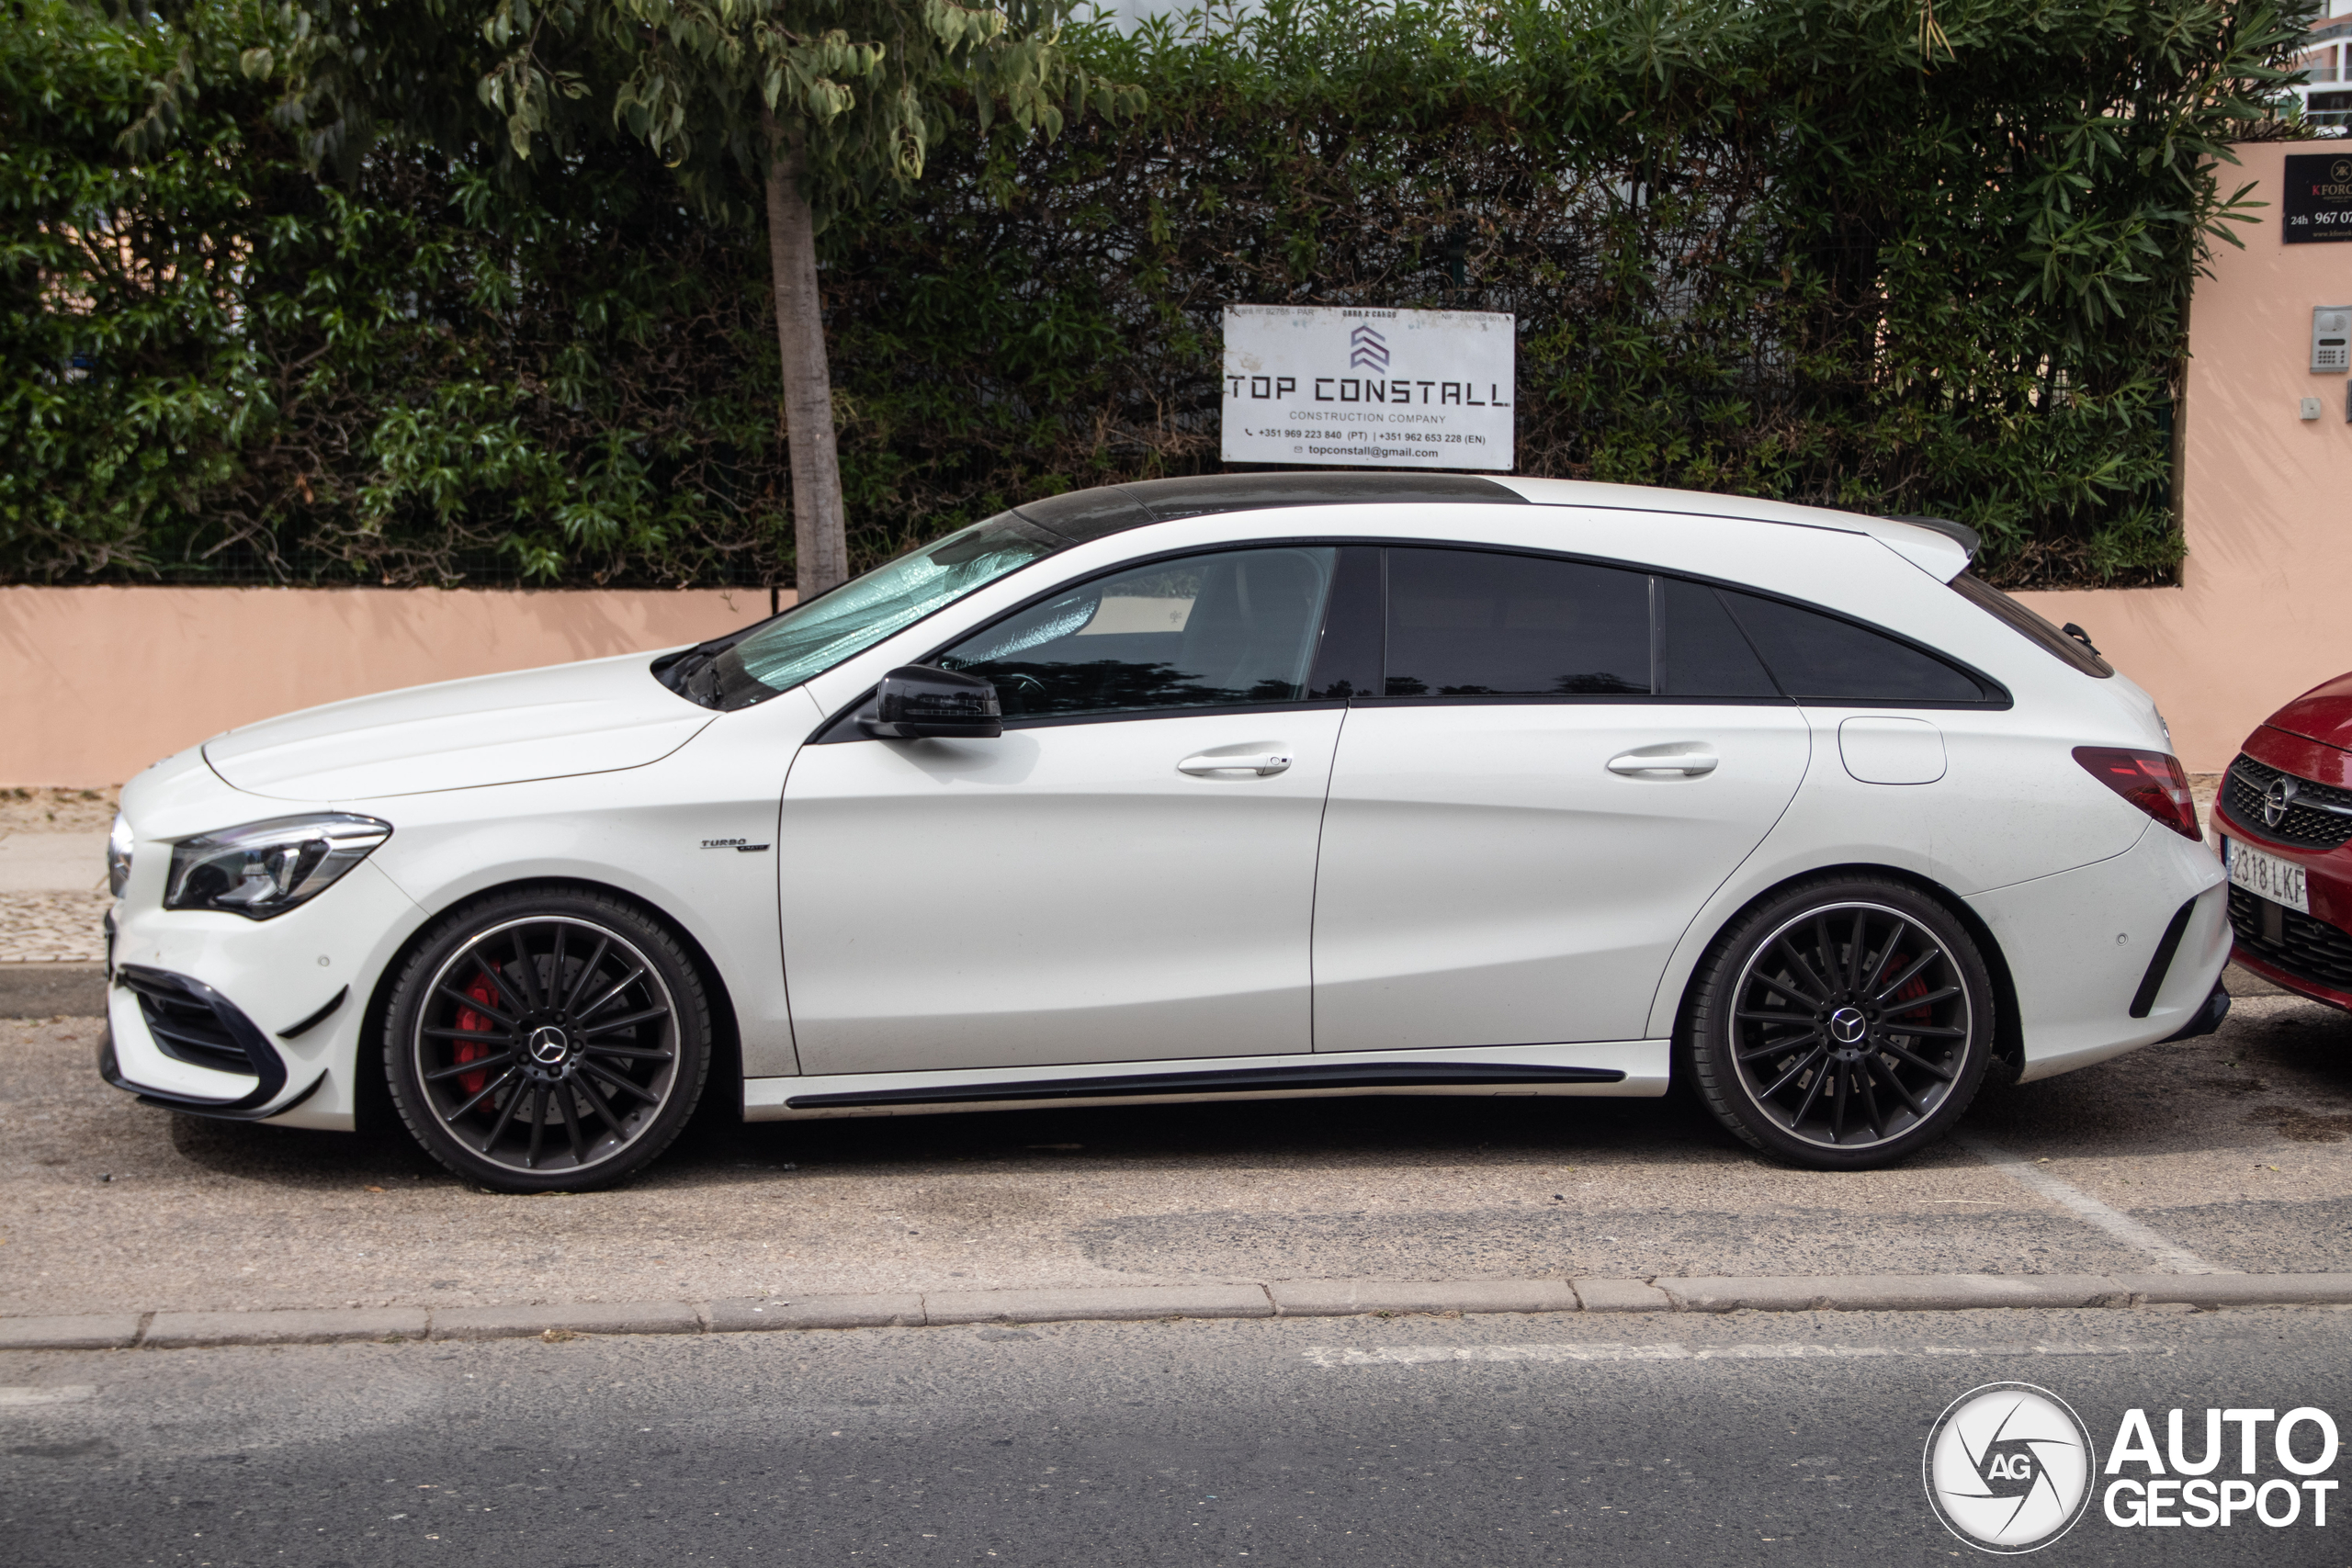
<point x="1843" y="1025"/>
<point x="546" y="1040"/>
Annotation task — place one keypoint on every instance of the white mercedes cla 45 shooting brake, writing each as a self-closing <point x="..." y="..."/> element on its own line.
<point x="1237" y="786"/>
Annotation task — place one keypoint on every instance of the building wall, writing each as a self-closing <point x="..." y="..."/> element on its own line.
<point x="2262" y="615"/>
<point x="101" y="681"/>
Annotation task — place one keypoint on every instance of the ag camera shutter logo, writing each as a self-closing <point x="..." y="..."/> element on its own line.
<point x="2009" y="1468"/>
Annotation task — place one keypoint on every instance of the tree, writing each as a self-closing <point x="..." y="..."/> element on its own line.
<point x="823" y="104"/>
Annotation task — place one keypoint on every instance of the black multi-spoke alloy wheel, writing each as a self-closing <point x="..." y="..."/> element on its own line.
<point x="1842" y="1024"/>
<point x="546" y="1040"/>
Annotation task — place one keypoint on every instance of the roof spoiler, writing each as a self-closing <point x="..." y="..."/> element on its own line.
<point x="1960" y="533"/>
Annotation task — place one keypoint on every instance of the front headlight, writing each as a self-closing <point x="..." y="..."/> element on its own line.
<point x="266" y="868"/>
<point x="119" y="846"/>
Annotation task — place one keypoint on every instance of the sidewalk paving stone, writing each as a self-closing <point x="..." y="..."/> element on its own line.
<point x="2238" y="1289"/>
<point x="82" y="1331"/>
<point x="1345" y="1298"/>
<point x="53" y="928"/>
<point x="1622" y="1295"/>
<point x="1895" y="1293"/>
<point x="1099" y="1303"/>
<point x="188" y="1330"/>
<point x="576" y="1317"/>
<point x="753" y="1315"/>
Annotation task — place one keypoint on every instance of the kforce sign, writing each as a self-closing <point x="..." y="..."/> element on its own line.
<point x="1369" y="389"/>
<point x="2316" y="205"/>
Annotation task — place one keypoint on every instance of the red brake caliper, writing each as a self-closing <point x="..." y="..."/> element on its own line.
<point x="1914" y="986"/>
<point x="481" y="990"/>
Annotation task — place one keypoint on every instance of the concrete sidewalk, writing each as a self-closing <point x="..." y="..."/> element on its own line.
<point x="52" y="875"/>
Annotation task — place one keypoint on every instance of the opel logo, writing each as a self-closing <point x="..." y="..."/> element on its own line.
<point x="549" y="1046"/>
<point x="2277" y="799"/>
<point x="1846" y="1026"/>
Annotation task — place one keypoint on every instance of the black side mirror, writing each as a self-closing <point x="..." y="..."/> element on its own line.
<point x="916" y="701"/>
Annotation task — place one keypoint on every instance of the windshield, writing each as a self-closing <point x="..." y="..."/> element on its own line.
<point x="810" y="639"/>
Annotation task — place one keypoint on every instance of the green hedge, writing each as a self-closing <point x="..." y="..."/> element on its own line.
<point x="1753" y="246"/>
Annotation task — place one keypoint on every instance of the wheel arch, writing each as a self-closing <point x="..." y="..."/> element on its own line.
<point x="373" y="1107"/>
<point x="2009" y="1026"/>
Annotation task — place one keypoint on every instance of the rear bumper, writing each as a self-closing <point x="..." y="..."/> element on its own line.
<point x="2209" y="1018"/>
<point x="2085" y="951"/>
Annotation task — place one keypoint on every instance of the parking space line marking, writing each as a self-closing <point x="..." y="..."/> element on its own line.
<point x="2176" y="1258"/>
<point x="1620" y="1351"/>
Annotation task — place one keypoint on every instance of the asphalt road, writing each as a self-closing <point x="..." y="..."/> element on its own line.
<point x="2234" y="1150"/>
<point x="1409" y="1440"/>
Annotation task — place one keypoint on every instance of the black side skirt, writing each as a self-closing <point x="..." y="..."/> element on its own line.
<point x="1222" y="1080"/>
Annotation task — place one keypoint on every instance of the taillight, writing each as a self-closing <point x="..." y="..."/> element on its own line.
<point x="2150" y="780"/>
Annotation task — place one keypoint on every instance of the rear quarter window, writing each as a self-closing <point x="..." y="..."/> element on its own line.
<point x="1818" y="658"/>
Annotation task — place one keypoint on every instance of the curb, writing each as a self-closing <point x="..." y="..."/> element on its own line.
<point x="1137" y="1303"/>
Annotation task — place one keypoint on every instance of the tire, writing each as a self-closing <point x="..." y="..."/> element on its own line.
<point x="1842" y="1024"/>
<point x="546" y="1040"/>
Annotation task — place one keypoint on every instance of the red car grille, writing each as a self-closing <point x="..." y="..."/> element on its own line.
<point x="2319" y="818"/>
<point x="2307" y="949"/>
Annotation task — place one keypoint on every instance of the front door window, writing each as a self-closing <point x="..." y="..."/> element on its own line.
<point x="1233" y="629"/>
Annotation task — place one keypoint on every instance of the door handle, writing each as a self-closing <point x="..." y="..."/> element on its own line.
<point x="1211" y="765"/>
<point x="1687" y="760"/>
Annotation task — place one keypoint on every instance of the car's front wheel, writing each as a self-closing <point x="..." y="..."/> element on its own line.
<point x="548" y="1039"/>
<point x="1842" y="1024"/>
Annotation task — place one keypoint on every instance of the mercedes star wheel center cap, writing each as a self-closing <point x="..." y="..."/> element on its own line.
<point x="550" y="1045"/>
<point x="1846" y="1026"/>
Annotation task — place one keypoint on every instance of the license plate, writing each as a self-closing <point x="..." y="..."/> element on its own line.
<point x="2266" y="876"/>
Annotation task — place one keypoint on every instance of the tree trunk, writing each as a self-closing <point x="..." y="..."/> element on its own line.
<point x="819" y="541"/>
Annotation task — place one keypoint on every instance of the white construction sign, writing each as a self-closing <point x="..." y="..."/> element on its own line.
<point x="1369" y="389"/>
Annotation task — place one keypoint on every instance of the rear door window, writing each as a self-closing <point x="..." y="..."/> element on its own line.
<point x="1474" y="624"/>
<point x="1703" y="652"/>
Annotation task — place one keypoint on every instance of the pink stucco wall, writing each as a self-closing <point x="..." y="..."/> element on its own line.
<point x="101" y="681"/>
<point x="2267" y="499"/>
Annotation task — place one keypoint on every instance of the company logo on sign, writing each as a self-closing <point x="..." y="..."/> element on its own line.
<point x="2009" y="1468"/>
<point x="1366" y="350"/>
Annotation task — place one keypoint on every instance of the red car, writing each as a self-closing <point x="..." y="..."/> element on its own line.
<point x="2285" y="815"/>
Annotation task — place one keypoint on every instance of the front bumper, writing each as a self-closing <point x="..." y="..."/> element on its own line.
<point x="2308" y="955"/>
<point x="220" y="1016"/>
<point x="188" y="1021"/>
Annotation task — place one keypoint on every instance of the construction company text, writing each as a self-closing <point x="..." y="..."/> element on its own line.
<point x="1328" y="384"/>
